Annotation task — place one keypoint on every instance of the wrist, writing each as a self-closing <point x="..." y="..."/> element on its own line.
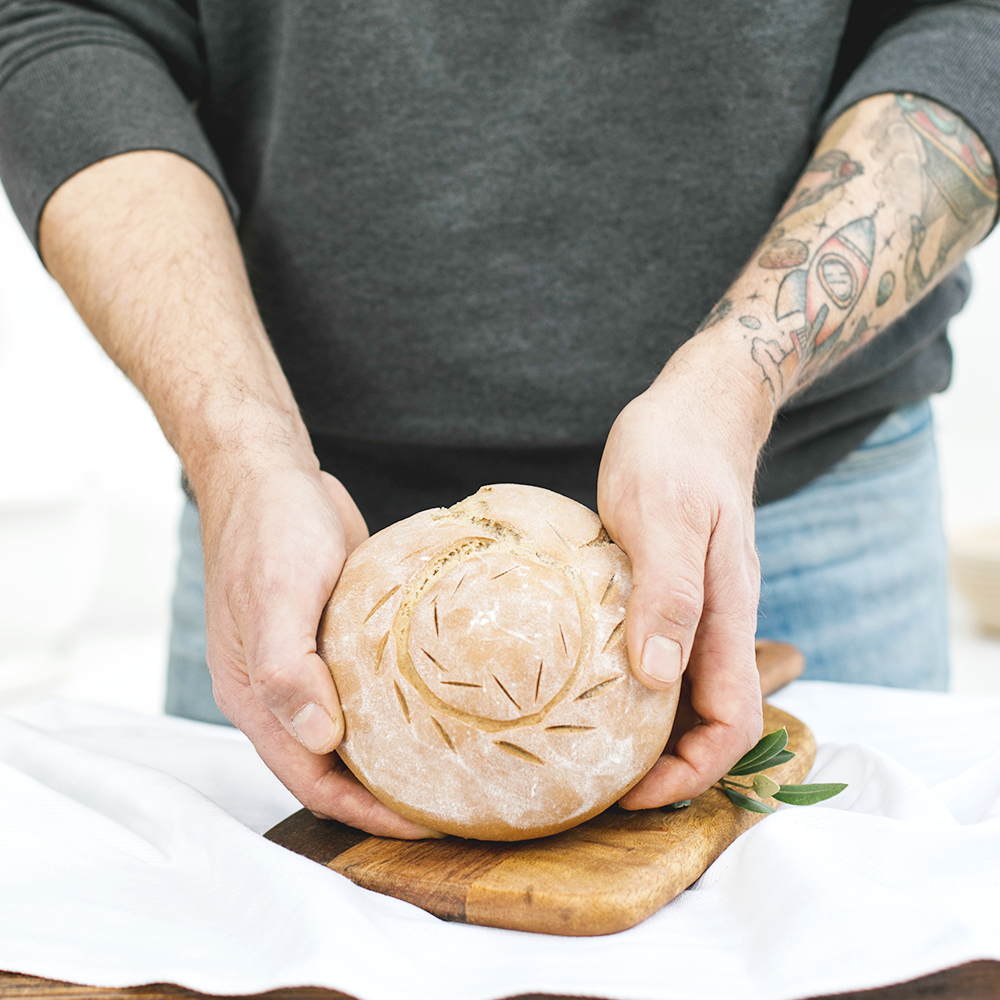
<point x="224" y="446"/>
<point x="715" y="366"/>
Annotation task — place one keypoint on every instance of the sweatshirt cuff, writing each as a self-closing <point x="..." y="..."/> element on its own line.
<point x="79" y="104"/>
<point x="948" y="54"/>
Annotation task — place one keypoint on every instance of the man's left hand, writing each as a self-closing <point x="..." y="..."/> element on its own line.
<point x="675" y="492"/>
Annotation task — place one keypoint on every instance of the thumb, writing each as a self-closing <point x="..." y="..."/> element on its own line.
<point x="285" y="671"/>
<point x="665" y="606"/>
<point x="293" y="682"/>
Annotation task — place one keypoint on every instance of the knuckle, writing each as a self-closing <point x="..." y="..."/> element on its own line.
<point x="336" y="795"/>
<point x="736" y="622"/>
<point x="273" y="682"/>
<point x="226" y="704"/>
<point x="680" y="603"/>
<point x="735" y="584"/>
<point x="694" y="508"/>
<point x="231" y="701"/>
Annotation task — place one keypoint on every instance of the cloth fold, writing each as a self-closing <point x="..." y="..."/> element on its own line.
<point x="130" y="852"/>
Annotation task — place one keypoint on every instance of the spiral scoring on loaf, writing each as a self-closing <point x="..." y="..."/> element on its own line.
<point x="484" y="677"/>
<point x="509" y="541"/>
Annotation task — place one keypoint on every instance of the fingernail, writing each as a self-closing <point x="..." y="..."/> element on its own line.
<point x="429" y="834"/>
<point x="661" y="659"/>
<point x="314" y="728"/>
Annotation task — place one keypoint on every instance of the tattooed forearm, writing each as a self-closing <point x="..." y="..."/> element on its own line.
<point x="900" y="189"/>
<point x="717" y="315"/>
<point x="959" y="189"/>
<point x="824" y="173"/>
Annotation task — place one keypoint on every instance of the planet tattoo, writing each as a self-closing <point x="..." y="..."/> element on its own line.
<point x="886" y="286"/>
<point x="784" y="253"/>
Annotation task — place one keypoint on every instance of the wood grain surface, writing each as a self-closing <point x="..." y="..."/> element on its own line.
<point x="598" y="878"/>
<point x="603" y="876"/>
<point x="973" y="981"/>
<point x="778" y="664"/>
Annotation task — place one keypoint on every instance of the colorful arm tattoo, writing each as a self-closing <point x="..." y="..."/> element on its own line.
<point x="904" y="191"/>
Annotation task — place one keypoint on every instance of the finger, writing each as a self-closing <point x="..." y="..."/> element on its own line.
<point x="722" y="680"/>
<point x="324" y="785"/>
<point x="288" y="676"/>
<point x="725" y="699"/>
<point x="277" y="612"/>
<point x="665" y="606"/>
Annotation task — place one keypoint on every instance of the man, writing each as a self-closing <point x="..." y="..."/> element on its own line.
<point x="484" y="239"/>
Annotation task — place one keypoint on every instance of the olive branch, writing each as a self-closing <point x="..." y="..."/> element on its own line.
<point x="770" y="752"/>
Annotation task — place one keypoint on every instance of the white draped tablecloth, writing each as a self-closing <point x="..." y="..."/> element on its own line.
<point x="130" y="853"/>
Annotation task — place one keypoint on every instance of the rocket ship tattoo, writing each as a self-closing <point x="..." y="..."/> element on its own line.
<point x="813" y="303"/>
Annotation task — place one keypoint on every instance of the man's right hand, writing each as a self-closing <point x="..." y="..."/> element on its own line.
<point x="145" y="249"/>
<point x="274" y="548"/>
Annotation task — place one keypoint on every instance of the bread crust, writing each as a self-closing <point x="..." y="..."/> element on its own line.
<point x="479" y="654"/>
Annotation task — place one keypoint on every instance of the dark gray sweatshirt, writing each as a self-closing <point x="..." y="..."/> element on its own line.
<point x="488" y="224"/>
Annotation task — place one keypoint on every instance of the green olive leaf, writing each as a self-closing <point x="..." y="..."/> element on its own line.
<point x="745" y="802"/>
<point x="807" y="795"/>
<point x="779" y="758"/>
<point x="764" y="765"/>
<point x="764" y="754"/>
<point x="770" y="752"/>
<point x="764" y="786"/>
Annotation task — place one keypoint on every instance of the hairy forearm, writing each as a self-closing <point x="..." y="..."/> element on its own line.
<point x="145" y="248"/>
<point x="897" y="192"/>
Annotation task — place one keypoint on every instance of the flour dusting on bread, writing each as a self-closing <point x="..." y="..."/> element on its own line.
<point x="479" y="653"/>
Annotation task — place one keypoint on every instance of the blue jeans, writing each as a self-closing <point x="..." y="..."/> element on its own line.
<point x="853" y="568"/>
<point x="854" y="565"/>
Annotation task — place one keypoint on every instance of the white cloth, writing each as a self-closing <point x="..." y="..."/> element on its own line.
<point x="130" y="853"/>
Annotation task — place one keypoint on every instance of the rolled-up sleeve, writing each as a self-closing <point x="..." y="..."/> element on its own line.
<point x="948" y="52"/>
<point x="80" y="84"/>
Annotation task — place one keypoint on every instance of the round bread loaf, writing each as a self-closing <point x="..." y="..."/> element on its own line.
<point x="479" y="654"/>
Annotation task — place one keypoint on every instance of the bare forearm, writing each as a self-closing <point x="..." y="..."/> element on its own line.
<point x="145" y="248"/>
<point x="897" y="192"/>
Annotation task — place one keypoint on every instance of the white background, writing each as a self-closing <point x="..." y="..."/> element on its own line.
<point x="89" y="498"/>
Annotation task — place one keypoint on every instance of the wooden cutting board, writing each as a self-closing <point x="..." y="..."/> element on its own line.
<point x="603" y="876"/>
<point x="972" y="981"/>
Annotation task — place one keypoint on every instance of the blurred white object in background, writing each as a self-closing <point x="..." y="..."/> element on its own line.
<point x="975" y="564"/>
<point x="967" y="418"/>
<point x="89" y="501"/>
<point x="53" y="541"/>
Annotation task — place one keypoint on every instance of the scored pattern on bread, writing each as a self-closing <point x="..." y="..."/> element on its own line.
<point x="382" y="600"/>
<point x="480" y="657"/>
<point x="516" y="751"/>
<point x="402" y="701"/>
<point x="599" y="688"/>
<point x="507" y="544"/>
<point x="380" y="652"/>
<point x="449" y="743"/>
<point x="617" y="635"/>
